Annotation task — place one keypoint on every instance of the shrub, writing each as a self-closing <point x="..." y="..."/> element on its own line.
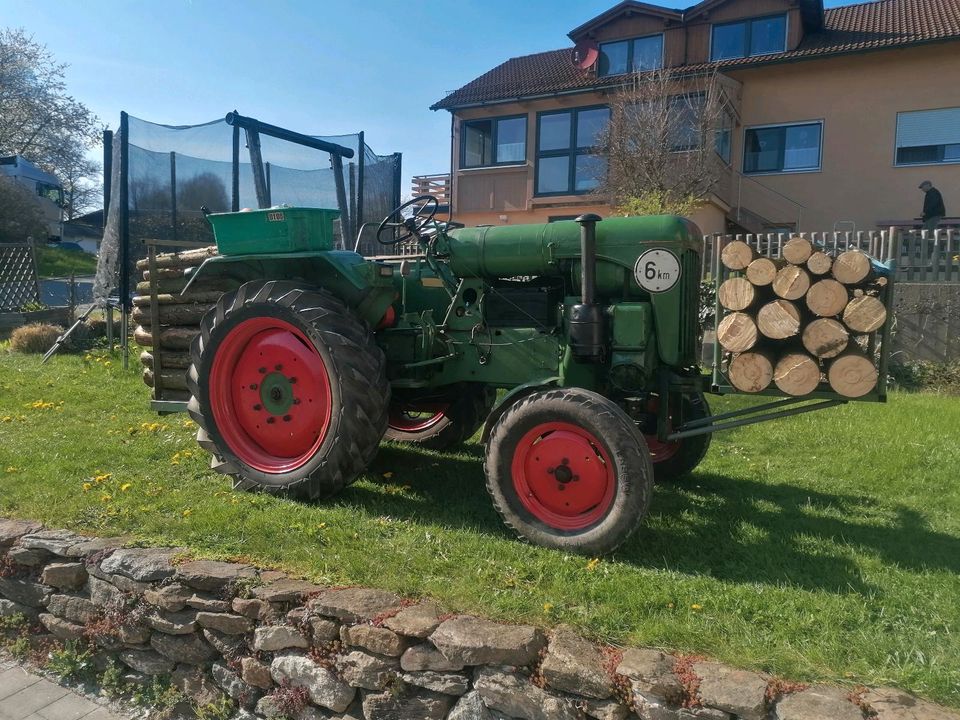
<point x="74" y="661"/>
<point x="919" y="375"/>
<point x="34" y="338"/>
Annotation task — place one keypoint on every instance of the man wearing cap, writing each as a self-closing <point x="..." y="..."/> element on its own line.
<point x="933" y="209"/>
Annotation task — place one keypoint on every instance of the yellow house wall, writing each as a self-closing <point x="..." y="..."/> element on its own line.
<point x="857" y="97"/>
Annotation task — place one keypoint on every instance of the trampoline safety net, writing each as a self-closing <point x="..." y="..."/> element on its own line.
<point x="174" y="171"/>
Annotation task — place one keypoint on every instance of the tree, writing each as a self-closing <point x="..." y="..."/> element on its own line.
<point x="662" y="143"/>
<point x="21" y="216"/>
<point x="41" y="122"/>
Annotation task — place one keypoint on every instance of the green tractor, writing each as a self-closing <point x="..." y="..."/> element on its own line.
<point x="591" y="329"/>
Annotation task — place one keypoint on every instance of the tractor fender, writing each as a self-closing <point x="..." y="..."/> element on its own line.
<point x="347" y="275"/>
<point x="517" y="393"/>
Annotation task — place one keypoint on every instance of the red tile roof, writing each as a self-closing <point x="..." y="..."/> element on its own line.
<point x="850" y="28"/>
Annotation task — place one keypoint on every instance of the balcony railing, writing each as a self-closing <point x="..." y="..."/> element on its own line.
<point x="436" y="185"/>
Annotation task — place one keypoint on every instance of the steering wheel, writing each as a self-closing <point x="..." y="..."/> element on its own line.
<point x="411" y="226"/>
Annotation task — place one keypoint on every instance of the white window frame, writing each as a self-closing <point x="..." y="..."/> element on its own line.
<point x="743" y="145"/>
<point x="896" y="146"/>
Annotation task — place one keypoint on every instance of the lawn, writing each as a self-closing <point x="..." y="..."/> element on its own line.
<point x="823" y="547"/>
<point x="58" y="262"/>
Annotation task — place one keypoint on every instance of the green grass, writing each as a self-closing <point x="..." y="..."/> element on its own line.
<point x="57" y="262"/>
<point x="822" y="547"/>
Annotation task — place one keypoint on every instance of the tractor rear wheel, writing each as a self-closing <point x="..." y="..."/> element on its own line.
<point x="675" y="459"/>
<point x="443" y="421"/>
<point x="567" y="468"/>
<point x="289" y="390"/>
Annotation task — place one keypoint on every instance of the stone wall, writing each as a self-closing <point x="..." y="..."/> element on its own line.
<point x="279" y="646"/>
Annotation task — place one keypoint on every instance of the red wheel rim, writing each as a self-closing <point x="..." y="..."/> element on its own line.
<point x="270" y="395"/>
<point x="563" y="476"/>
<point x="416" y="418"/>
<point x="661" y="451"/>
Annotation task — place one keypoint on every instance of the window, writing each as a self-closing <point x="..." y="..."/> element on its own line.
<point x="636" y="55"/>
<point x="746" y="38"/>
<point x="495" y="141"/>
<point x="784" y="148"/>
<point x="685" y="111"/>
<point x="928" y="136"/>
<point x="566" y="150"/>
<point x="50" y="192"/>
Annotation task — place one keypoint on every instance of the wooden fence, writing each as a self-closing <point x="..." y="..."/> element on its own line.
<point x="922" y="256"/>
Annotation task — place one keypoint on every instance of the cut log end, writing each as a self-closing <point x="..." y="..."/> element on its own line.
<point x="737" y="294"/>
<point x="819" y="263"/>
<point x="825" y="338"/>
<point x="779" y="320"/>
<point x="827" y="298"/>
<point x="791" y="283"/>
<point x="737" y="255"/>
<point x="865" y="314"/>
<point x="851" y="267"/>
<point x="797" y="250"/>
<point x="751" y="372"/>
<point x="797" y="374"/>
<point x="737" y="332"/>
<point x="852" y="375"/>
<point x="762" y="271"/>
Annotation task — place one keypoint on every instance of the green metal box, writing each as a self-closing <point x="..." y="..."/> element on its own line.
<point x="274" y="230"/>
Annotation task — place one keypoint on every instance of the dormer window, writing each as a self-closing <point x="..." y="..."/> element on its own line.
<point x="634" y="55"/>
<point x="747" y="38"/>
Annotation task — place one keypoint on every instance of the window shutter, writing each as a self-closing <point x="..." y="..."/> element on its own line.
<point x="928" y="127"/>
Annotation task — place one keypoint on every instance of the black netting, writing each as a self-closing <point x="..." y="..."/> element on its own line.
<point x="174" y="171"/>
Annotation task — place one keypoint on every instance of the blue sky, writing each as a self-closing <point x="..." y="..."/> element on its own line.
<point x="323" y="68"/>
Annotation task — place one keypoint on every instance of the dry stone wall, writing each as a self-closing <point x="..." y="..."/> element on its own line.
<point x="281" y="647"/>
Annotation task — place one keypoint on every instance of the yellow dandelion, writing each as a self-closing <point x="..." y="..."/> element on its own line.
<point x="11" y="469"/>
<point x="7" y="418"/>
<point x="125" y="487"/>
<point x="106" y="498"/>
<point x="87" y="486"/>
<point x="388" y="475"/>
<point x="107" y="364"/>
<point x="670" y="605"/>
<point x="548" y="607"/>
<point x="188" y="512"/>
<point x="592" y="564"/>
<point x="696" y="606"/>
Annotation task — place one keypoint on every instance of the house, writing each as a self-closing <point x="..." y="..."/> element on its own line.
<point x="42" y="184"/>
<point x="837" y="115"/>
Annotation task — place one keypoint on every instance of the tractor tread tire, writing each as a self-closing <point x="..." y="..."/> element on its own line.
<point x="465" y="416"/>
<point x="356" y="368"/>
<point x="623" y="443"/>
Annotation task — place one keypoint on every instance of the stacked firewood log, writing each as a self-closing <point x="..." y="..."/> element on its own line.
<point x="177" y="317"/>
<point x="799" y="320"/>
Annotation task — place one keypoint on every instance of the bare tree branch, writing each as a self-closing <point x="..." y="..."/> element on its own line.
<point x="661" y="142"/>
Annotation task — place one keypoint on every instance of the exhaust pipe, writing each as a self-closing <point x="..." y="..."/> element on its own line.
<point x="586" y="322"/>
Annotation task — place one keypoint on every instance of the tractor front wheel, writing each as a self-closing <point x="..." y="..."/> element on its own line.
<point x="289" y="389"/>
<point x="442" y="421"/>
<point x="567" y="468"/>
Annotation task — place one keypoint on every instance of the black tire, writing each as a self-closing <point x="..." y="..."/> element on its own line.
<point x="684" y="455"/>
<point x="559" y="424"/>
<point x="461" y="411"/>
<point x="353" y="394"/>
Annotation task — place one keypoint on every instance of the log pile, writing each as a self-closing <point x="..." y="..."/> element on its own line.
<point x="177" y="317"/>
<point x="799" y="321"/>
